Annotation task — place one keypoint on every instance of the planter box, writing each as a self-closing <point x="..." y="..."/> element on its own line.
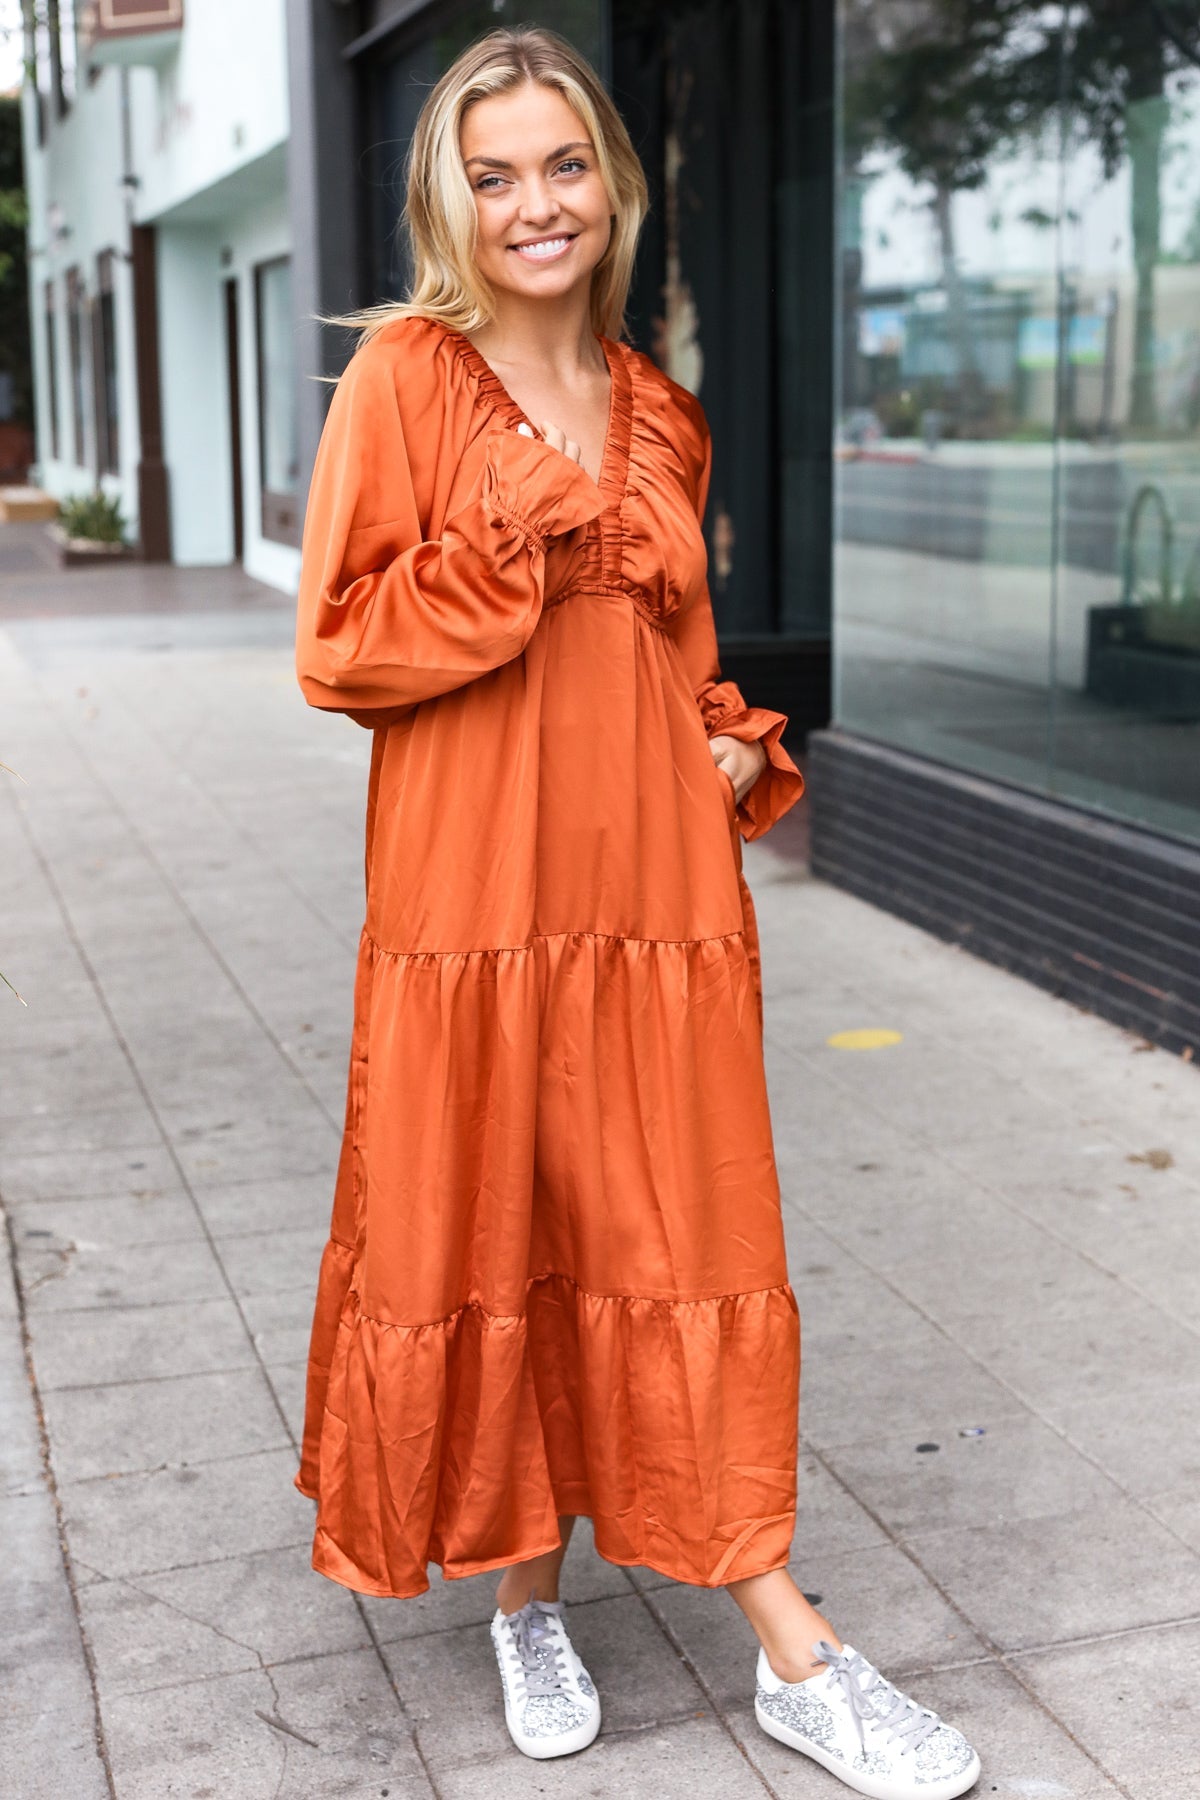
<point x="81" y="553"/>
<point x="19" y="504"/>
<point x="1147" y="658"/>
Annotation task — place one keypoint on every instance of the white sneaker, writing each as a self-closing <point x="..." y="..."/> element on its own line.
<point x="864" y="1730"/>
<point x="550" y="1704"/>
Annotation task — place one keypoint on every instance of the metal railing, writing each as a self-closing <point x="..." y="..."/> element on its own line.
<point x="1150" y="493"/>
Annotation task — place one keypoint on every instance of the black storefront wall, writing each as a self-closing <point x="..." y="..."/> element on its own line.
<point x="1101" y="913"/>
<point x="730" y="104"/>
<point x="701" y="79"/>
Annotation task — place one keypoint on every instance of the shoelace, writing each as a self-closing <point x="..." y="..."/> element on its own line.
<point x="864" y="1686"/>
<point x="537" y="1649"/>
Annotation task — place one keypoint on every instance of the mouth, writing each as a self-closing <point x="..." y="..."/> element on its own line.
<point x="544" y="249"/>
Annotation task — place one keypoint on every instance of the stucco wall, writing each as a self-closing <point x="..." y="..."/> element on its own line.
<point x="207" y="134"/>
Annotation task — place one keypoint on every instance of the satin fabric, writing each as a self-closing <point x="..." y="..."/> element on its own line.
<point x="556" y="1279"/>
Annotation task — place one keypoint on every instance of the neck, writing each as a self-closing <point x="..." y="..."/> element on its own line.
<point x="555" y="334"/>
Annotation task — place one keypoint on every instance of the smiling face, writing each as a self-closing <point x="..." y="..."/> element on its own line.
<point x="544" y="214"/>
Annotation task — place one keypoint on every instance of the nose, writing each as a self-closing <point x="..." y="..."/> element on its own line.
<point x="539" y="203"/>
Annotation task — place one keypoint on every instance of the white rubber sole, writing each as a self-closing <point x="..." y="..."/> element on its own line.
<point x="544" y="1748"/>
<point x="874" y="1787"/>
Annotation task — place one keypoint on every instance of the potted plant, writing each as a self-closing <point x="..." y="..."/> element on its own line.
<point x="90" y="529"/>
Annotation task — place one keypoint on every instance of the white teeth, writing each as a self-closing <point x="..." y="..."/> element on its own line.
<point x="549" y="247"/>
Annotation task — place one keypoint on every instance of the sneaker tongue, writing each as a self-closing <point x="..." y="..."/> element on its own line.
<point x="535" y="1647"/>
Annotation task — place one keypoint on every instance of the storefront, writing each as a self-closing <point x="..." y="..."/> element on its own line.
<point x="1015" y="758"/>
<point x="933" y="267"/>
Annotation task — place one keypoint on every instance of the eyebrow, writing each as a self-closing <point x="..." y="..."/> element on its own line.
<point x="497" y="162"/>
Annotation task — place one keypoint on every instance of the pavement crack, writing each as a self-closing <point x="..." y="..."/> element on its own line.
<point x="277" y="1724"/>
<point x="273" y="1718"/>
<point x="195" y="1619"/>
<point x="65" y="1255"/>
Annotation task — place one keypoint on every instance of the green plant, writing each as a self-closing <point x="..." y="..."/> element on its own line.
<point x="94" y="516"/>
<point x="899" y="414"/>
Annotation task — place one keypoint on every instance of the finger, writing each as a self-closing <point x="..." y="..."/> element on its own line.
<point x="553" y="435"/>
<point x="525" y="431"/>
<point x="573" y="451"/>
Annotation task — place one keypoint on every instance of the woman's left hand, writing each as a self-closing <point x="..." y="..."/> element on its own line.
<point x="743" y="763"/>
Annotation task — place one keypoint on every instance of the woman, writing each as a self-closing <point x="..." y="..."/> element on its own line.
<point x="555" y="1283"/>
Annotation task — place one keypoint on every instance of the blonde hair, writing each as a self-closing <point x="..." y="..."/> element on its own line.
<point x="439" y="212"/>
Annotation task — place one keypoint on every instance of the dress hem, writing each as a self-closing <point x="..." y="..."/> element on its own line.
<point x="464" y="1573"/>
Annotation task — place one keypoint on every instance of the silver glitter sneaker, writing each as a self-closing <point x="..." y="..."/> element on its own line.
<point x="864" y="1730"/>
<point x="550" y="1704"/>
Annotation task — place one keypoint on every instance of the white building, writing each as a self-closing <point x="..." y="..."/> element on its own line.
<point x="160" y="273"/>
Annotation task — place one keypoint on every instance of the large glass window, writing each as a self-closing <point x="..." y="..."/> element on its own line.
<point x="37" y="62"/>
<point x="60" y="16"/>
<point x="1017" y="585"/>
<point x="279" y="455"/>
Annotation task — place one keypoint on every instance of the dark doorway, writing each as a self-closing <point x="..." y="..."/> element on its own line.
<point x="233" y="366"/>
<point x="730" y="105"/>
<point x="154" y="499"/>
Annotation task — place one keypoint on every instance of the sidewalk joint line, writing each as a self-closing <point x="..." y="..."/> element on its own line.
<point x="1023" y="1401"/>
<point x="48" y="1476"/>
<point x="646" y="1596"/>
<point x="999" y="1655"/>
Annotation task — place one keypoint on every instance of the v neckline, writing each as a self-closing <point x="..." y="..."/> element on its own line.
<point x="614" y="458"/>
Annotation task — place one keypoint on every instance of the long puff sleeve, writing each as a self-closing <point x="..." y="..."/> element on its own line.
<point x="388" y="617"/>
<point x="722" y="707"/>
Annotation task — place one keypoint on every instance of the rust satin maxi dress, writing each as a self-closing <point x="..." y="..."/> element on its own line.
<point x="556" y="1278"/>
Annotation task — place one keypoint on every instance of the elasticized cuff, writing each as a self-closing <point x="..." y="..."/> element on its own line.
<point x="781" y="784"/>
<point x="537" y="490"/>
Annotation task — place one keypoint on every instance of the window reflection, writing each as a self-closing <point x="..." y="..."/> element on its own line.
<point x="1018" y="564"/>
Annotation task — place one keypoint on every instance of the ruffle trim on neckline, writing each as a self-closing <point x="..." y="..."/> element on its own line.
<point x="614" y="467"/>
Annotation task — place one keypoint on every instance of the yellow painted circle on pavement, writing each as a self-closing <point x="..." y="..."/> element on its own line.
<point x="868" y="1037"/>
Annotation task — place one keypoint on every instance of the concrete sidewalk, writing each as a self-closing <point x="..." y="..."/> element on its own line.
<point x="994" y="1223"/>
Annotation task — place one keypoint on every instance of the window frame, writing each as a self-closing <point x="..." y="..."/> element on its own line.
<point x="106" y="394"/>
<point x="77" y="335"/>
<point x="50" y="311"/>
<point x="280" y="512"/>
